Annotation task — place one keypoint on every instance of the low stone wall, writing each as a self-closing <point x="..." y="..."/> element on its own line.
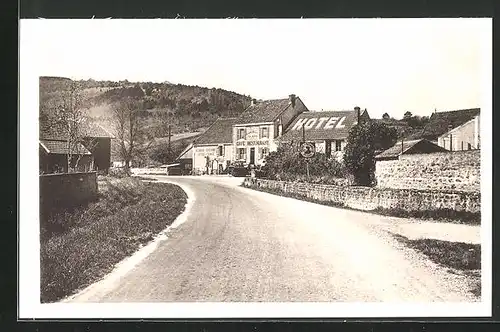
<point x="365" y="198"/>
<point x="58" y="191"/>
<point x="460" y="170"/>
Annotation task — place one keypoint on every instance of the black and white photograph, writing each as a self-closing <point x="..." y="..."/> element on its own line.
<point x="255" y="168"/>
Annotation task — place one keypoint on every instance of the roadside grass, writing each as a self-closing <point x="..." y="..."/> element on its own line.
<point x="441" y="215"/>
<point x="449" y="215"/>
<point x="455" y="255"/>
<point x="458" y="257"/>
<point x="79" y="247"/>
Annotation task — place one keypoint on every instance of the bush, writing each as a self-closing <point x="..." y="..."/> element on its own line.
<point x="286" y="164"/>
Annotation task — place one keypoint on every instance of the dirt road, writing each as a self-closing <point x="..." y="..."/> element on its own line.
<point x="242" y="245"/>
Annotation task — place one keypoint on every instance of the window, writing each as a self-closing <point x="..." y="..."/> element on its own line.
<point x="220" y="150"/>
<point x="338" y="145"/>
<point x="469" y="146"/>
<point x="264" y="132"/>
<point x="242" y="153"/>
<point x="241" y="133"/>
<point x="264" y="152"/>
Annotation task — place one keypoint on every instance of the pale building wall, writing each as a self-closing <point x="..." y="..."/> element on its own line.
<point x="201" y="152"/>
<point x="253" y="139"/>
<point x="461" y="137"/>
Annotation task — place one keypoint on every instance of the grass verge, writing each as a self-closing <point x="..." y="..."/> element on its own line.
<point x="458" y="257"/>
<point x="442" y="215"/>
<point x="79" y="247"/>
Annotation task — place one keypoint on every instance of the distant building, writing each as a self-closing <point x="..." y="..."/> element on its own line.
<point x="212" y="151"/>
<point x="328" y="129"/>
<point x="53" y="141"/>
<point x="53" y="156"/>
<point x="408" y="147"/>
<point x="455" y="130"/>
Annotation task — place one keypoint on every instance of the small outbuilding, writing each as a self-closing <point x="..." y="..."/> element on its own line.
<point x="409" y="147"/>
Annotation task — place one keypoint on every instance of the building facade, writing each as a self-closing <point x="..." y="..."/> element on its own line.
<point x="327" y="129"/>
<point x="257" y="129"/>
<point x="264" y="125"/>
<point x="248" y="138"/>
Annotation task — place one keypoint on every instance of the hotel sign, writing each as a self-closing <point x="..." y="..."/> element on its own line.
<point x="320" y="123"/>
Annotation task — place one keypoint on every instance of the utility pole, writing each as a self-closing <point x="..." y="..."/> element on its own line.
<point x="450" y="127"/>
<point x="303" y="141"/>
<point x="169" y="151"/>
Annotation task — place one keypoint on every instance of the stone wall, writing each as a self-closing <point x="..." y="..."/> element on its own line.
<point x="365" y="198"/>
<point x="458" y="170"/>
<point x="58" y="191"/>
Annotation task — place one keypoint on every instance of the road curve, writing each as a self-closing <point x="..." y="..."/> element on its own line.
<point x="242" y="245"/>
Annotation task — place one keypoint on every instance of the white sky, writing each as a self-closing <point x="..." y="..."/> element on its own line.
<point x="384" y="65"/>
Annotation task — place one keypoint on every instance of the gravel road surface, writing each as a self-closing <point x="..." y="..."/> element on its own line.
<point x="238" y="244"/>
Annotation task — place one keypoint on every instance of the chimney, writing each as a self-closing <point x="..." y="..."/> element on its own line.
<point x="253" y="102"/>
<point x="292" y="99"/>
<point x="358" y="113"/>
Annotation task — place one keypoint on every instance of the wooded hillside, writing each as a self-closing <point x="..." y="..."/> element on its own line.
<point x="185" y="108"/>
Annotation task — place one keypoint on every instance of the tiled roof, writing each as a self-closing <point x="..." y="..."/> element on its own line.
<point x="58" y="131"/>
<point x="61" y="147"/>
<point x="396" y="150"/>
<point x="221" y="131"/>
<point x="335" y="125"/>
<point x="441" y="122"/>
<point x="263" y="111"/>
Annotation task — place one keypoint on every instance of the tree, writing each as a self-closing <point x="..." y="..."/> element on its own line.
<point x="70" y="114"/>
<point x="362" y="143"/>
<point x="386" y="116"/>
<point x="407" y="115"/>
<point x="129" y="129"/>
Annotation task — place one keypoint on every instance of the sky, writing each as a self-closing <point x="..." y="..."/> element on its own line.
<point x="383" y="65"/>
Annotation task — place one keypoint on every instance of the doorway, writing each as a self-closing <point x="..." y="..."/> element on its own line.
<point x="252" y="156"/>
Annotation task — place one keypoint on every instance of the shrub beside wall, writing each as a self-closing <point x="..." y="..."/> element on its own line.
<point x="460" y="170"/>
<point x="365" y="198"/>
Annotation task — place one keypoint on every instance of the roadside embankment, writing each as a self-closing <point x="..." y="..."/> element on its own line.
<point x="80" y="246"/>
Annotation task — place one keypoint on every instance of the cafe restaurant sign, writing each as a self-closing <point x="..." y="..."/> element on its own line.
<point x="253" y="143"/>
